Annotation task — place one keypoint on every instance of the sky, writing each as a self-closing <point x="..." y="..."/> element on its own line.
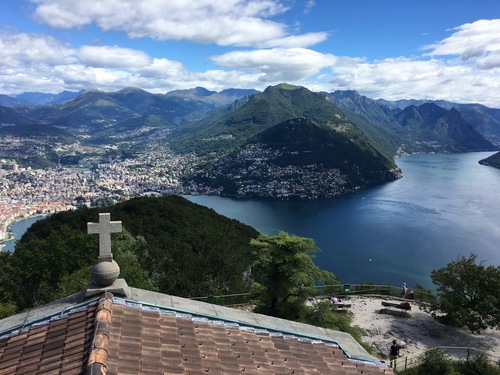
<point x="391" y="49"/>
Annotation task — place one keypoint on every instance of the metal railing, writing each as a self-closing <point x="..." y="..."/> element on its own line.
<point x="454" y="352"/>
<point x="419" y="294"/>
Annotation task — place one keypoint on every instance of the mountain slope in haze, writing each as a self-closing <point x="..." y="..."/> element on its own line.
<point x="377" y="121"/>
<point x="9" y="101"/>
<point x="9" y="116"/>
<point x="129" y="115"/>
<point x="485" y="120"/>
<point x="216" y="99"/>
<point x="436" y="129"/>
<point x="47" y="99"/>
<point x="434" y="125"/>
<point x="300" y="159"/>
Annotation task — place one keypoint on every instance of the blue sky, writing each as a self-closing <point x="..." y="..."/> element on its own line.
<point x="392" y="49"/>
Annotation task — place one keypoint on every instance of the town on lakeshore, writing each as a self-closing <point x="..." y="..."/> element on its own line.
<point x="25" y="192"/>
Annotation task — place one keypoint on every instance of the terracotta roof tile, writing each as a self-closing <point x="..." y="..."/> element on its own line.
<point x="116" y="336"/>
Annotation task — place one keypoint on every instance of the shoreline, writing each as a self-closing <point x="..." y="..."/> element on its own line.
<point x="10" y="235"/>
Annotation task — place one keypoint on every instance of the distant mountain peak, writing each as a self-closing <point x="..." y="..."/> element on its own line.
<point x="128" y="90"/>
<point x="286" y="86"/>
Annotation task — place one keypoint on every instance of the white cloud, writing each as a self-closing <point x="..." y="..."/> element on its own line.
<point x="295" y="41"/>
<point x="21" y="50"/>
<point x="477" y="42"/>
<point x="278" y="64"/>
<point x="309" y="5"/>
<point x="404" y="78"/>
<point x="222" y="22"/>
<point x="112" y="57"/>
<point x="454" y="69"/>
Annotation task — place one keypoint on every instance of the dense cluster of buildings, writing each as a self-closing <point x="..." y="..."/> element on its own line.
<point x="255" y="172"/>
<point x="26" y="192"/>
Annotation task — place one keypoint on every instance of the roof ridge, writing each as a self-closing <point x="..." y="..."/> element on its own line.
<point x="97" y="361"/>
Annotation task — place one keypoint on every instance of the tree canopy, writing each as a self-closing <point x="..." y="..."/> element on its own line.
<point x="168" y="245"/>
<point x="284" y="273"/>
<point x="467" y="292"/>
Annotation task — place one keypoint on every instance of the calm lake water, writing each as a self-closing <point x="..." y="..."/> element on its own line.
<point x="18" y="230"/>
<point x="444" y="207"/>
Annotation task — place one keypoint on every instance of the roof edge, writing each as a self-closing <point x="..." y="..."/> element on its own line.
<point x="98" y="356"/>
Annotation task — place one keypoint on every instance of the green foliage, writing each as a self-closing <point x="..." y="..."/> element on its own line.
<point x="478" y="365"/>
<point x="7" y="309"/>
<point x="285" y="274"/>
<point x="437" y="363"/>
<point x="308" y="142"/>
<point x="168" y="245"/>
<point x="467" y="293"/>
<point x="33" y="272"/>
<point x="323" y="315"/>
<point x="229" y="128"/>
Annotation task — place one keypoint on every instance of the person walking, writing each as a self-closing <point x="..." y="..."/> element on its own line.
<point x="394" y="353"/>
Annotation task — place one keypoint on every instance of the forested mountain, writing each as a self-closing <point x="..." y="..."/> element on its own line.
<point x="130" y="112"/>
<point x="168" y="245"/>
<point x="99" y="110"/>
<point x="199" y="122"/>
<point x="9" y="101"/>
<point x="299" y="158"/>
<point x="492" y="161"/>
<point x="231" y="127"/>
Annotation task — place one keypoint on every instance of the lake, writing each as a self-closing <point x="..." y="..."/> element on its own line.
<point x="444" y="207"/>
<point x="18" y="230"/>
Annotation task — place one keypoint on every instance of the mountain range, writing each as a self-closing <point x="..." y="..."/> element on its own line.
<point x="349" y="136"/>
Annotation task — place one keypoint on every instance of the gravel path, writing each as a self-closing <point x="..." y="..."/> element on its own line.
<point x="416" y="332"/>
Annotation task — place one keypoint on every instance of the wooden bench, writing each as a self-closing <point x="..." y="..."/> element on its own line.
<point x="399" y="309"/>
<point x="342" y="305"/>
<point x="402" y="305"/>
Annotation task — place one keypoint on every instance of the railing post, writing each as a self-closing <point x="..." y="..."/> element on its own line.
<point x="406" y="362"/>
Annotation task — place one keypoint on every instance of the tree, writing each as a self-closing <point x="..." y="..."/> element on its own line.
<point x="467" y="293"/>
<point x="436" y="362"/>
<point x="285" y="274"/>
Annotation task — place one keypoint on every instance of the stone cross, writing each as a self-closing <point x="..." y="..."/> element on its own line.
<point x="104" y="228"/>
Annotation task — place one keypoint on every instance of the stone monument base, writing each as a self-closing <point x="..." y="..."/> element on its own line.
<point x="119" y="288"/>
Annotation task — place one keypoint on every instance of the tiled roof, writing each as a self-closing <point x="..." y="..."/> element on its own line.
<point x="118" y="336"/>
<point x="57" y="345"/>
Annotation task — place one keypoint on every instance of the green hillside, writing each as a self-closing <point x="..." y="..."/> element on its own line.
<point x="231" y="127"/>
<point x="169" y="245"/>
<point x="300" y="158"/>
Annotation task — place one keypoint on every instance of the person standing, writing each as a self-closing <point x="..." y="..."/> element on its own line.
<point x="394" y="353"/>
